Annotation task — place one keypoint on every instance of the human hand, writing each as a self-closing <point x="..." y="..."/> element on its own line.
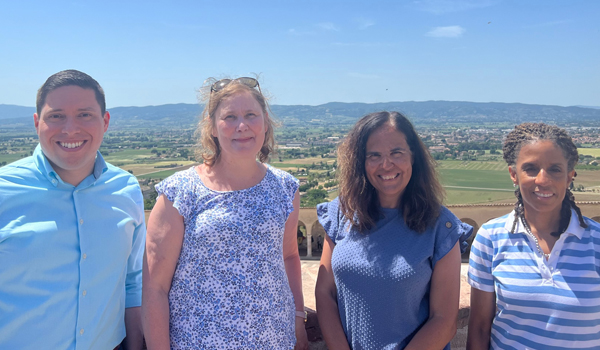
<point x="301" y="338"/>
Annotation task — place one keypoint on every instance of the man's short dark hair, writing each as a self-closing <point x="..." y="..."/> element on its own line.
<point x="67" y="78"/>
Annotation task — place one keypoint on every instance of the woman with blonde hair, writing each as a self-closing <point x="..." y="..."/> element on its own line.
<point x="222" y="269"/>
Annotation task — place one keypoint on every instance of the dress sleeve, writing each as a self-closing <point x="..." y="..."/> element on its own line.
<point x="290" y="185"/>
<point x="177" y="189"/>
<point x="448" y="231"/>
<point x="330" y="217"/>
<point x="480" y="262"/>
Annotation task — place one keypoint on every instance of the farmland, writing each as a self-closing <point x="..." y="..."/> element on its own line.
<point x="469" y="161"/>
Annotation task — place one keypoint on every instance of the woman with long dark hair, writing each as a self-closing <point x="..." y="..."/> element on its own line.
<point x="534" y="273"/>
<point x="390" y="269"/>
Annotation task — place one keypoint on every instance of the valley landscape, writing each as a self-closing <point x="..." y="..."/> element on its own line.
<point x="465" y="138"/>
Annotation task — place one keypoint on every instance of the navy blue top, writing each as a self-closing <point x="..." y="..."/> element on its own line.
<point x="383" y="276"/>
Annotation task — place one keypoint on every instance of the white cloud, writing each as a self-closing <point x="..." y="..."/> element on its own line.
<point x="446" y="6"/>
<point x="446" y="32"/>
<point x="328" y="26"/>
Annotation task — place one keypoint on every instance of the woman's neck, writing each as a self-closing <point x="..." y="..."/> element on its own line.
<point x="228" y="175"/>
<point x="543" y="223"/>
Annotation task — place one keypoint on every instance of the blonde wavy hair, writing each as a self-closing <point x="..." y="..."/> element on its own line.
<point x="209" y="150"/>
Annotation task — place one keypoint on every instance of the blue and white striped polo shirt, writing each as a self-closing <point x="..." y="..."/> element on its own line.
<point x="540" y="304"/>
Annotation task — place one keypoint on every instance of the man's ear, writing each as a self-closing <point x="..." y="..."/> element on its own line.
<point x="106" y="120"/>
<point x="36" y="122"/>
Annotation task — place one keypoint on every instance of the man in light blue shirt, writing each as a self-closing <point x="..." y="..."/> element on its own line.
<point x="71" y="231"/>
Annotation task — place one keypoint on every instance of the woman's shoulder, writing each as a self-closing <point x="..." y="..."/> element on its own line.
<point x="281" y="174"/>
<point x="500" y="223"/>
<point x="328" y="210"/>
<point x="450" y="228"/>
<point x="332" y="219"/>
<point x="180" y="180"/>
<point x="448" y="219"/>
<point x="593" y="225"/>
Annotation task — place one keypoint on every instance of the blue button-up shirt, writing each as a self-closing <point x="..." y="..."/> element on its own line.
<point x="70" y="256"/>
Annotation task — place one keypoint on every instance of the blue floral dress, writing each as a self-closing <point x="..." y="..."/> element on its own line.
<point x="230" y="289"/>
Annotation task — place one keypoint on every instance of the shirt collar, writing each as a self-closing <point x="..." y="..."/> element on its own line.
<point x="42" y="163"/>
<point x="573" y="229"/>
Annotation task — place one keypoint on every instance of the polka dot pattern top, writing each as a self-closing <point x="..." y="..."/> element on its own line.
<point x="383" y="276"/>
<point x="230" y="289"/>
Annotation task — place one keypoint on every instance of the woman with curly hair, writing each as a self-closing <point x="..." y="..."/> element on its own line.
<point x="390" y="269"/>
<point x="534" y="273"/>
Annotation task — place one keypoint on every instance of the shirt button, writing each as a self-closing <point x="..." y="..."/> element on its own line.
<point x="84" y="293"/>
<point x="81" y="221"/>
<point x="84" y="256"/>
<point x="81" y="331"/>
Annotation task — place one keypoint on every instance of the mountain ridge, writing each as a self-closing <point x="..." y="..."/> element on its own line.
<point x="420" y="112"/>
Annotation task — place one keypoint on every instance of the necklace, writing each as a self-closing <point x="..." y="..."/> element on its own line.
<point x="537" y="243"/>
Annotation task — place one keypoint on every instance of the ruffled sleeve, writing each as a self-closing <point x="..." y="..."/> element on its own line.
<point x="289" y="187"/>
<point x="448" y="231"/>
<point x="332" y="219"/>
<point x="178" y="188"/>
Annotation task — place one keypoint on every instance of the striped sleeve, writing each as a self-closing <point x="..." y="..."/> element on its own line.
<point x="480" y="262"/>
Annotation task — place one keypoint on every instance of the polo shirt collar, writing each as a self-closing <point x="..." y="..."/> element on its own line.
<point x="44" y="166"/>
<point x="573" y="229"/>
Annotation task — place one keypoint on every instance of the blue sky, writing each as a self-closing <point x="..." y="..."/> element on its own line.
<point x="309" y="52"/>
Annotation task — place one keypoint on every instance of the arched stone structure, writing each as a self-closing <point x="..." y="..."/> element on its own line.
<point x="309" y="217"/>
<point x="316" y="231"/>
<point x="299" y="232"/>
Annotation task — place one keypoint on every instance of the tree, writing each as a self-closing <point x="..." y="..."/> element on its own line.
<point x="150" y="201"/>
<point x="330" y="184"/>
<point x="313" y="197"/>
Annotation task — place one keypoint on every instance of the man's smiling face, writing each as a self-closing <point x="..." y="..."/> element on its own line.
<point x="71" y="127"/>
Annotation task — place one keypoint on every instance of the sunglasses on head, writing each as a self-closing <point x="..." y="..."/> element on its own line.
<point x="221" y="84"/>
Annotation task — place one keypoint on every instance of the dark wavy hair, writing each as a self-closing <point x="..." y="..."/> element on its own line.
<point x="422" y="199"/>
<point x="527" y="133"/>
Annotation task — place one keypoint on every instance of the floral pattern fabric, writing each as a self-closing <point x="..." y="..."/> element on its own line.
<point x="230" y="289"/>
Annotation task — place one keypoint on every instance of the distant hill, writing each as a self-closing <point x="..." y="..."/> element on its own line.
<point x="16" y="112"/>
<point x="428" y="112"/>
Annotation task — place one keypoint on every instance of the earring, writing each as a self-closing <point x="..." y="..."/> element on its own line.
<point x="514" y="185"/>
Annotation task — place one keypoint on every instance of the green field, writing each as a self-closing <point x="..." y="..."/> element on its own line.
<point x="127" y="156"/>
<point x="480" y="179"/>
<point x="9" y="158"/>
<point x="159" y="175"/>
<point x="289" y="165"/>
<point x="454" y="196"/>
<point x="594" y="152"/>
